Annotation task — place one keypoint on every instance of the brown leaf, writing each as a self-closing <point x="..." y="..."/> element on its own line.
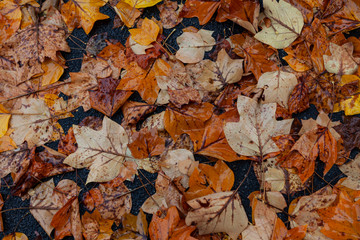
<point x="299" y="98"/>
<point x="135" y="111"/>
<point x="146" y="143"/>
<point x="67" y="144"/>
<point x="169" y="13"/>
<point x="37" y="166"/>
<point x="189" y="119"/>
<point x="95" y="227"/>
<point x="106" y="98"/>
<point x="11" y="161"/>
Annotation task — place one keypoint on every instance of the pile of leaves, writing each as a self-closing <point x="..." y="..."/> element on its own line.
<point x="230" y="99"/>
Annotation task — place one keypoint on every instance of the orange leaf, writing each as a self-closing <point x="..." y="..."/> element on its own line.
<point x="203" y="10"/>
<point x="280" y="232"/>
<point x="146" y="34"/>
<point x="127" y="13"/>
<point x="208" y="180"/>
<point x="82" y="14"/>
<point x="342" y="220"/>
<point x="161" y="228"/>
<point x="146" y="143"/>
<point x="96" y="227"/>
<point x="135" y="111"/>
<point x="143" y="81"/>
<point x="62" y="216"/>
<point x="214" y="143"/>
<point x="190" y="119"/>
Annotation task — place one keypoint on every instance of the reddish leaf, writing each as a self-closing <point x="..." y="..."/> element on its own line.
<point x="62" y="216"/>
<point x="67" y="144"/>
<point x="203" y="10"/>
<point x="106" y="98"/>
<point x="146" y="143"/>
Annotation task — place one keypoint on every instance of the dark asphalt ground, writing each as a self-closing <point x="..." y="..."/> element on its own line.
<point x="22" y="220"/>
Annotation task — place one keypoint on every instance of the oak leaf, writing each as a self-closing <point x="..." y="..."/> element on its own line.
<point x="102" y="151"/>
<point x="286" y="24"/>
<point x="82" y="14"/>
<point x="251" y="136"/>
<point x="218" y="212"/>
<point x="277" y="87"/>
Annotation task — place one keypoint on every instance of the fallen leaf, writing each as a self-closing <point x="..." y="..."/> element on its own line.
<point x="146" y="143"/>
<point x="146" y="34"/>
<point x="251" y="136"/>
<point x="351" y="170"/>
<point x="192" y="46"/>
<point x="282" y="233"/>
<point x="141" y="3"/>
<point x="169" y="13"/>
<point x="206" y="180"/>
<point x="216" y="213"/>
<point x="135" y="111"/>
<point x="162" y="228"/>
<point x="106" y="98"/>
<point x="190" y="119"/>
<point x="95" y="227"/>
<point x="341" y="60"/>
<point x="16" y="236"/>
<point x="127" y="13"/>
<point x="102" y="151"/>
<point x="286" y="24"/>
<point x="82" y="14"/>
<point x="134" y="227"/>
<point x="277" y="87"/>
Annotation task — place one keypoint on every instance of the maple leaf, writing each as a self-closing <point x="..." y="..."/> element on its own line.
<point x="106" y="98"/>
<point x="286" y="24"/>
<point x="82" y="14"/>
<point x="219" y="214"/>
<point x="102" y="151"/>
<point x="146" y="34"/>
<point x="277" y="86"/>
<point x="251" y="136"/>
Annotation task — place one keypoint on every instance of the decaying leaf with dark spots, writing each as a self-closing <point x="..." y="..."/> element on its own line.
<point x="38" y="166"/>
<point x="350" y="132"/>
<point x="10" y="161"/>
<point x="146" y="143"/>
<point x="135" y="111"/>
<point x="96" y="44"/>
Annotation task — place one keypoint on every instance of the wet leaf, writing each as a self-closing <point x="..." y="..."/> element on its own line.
<point x="146" y="34"/>
<point x="102" y="151"/>
<point x="216" y="213"/>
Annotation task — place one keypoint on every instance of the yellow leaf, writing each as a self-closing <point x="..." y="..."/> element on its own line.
<point x="127" y="13"/>
<point x="52" y="72"/>
<point x="351" y="106"/>
<point x="82" y="14"/>
<point x="16" y="236"/>
<point x="6" y="143"/>
<point x="142" y="3"/>
<point x="4" y="120"/>
<point x="146" y="34"/>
